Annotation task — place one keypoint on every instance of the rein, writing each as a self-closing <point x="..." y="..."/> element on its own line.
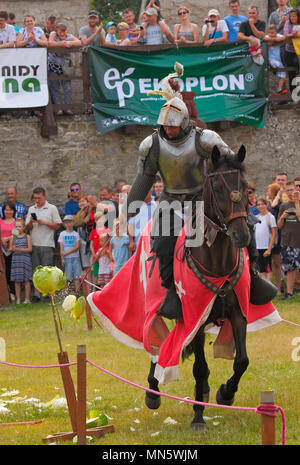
<point x="238" y="210"/>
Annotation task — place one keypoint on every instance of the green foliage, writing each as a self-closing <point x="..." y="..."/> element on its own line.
<point x="111" y="10"/>
<point x="295" y="3"/>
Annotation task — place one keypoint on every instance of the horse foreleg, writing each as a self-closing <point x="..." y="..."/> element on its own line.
<point x="225" y="394"/>
<point x="201" y="374"/>
<point x="152" y="400"/>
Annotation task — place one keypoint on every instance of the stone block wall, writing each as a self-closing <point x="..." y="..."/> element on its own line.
<point x="79" y="154"/>
<point x="71" y="12"/>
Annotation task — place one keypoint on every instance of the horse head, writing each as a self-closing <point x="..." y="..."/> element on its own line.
<point x="226" y="195"/>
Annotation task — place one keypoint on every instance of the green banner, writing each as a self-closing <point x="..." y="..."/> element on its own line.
<point x="227" y="83"/>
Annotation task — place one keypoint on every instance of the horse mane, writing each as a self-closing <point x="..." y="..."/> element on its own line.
<point x="230" y="161"/>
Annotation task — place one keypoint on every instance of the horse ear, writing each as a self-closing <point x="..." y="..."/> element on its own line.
<point x="241" y="154"/>
<point x="215" y="155"/>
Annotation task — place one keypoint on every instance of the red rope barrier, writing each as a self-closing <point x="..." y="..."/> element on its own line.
<point x="262" y="409"/>
<point x="21" y="423"/>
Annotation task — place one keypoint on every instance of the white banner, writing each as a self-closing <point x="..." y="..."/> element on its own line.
<point x="23" y="78"/>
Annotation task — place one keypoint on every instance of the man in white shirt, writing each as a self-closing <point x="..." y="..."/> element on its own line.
<point x="41" y="221"/>
<point x="215" y="30"/>
<point x="7" y="32"/>
<point x="137" y="224"/>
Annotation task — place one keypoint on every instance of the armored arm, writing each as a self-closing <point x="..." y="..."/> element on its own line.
<point x="210" y="138"/>
<point x="147" y="169"/>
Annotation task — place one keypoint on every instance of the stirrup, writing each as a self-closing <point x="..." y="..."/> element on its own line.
<point x="171" y="307"/>
<point x="262" y="291"/>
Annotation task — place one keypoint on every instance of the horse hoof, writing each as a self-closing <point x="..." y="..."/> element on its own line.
<point x="221" y="400"/>
<point x="198" y="426"/>
<point x="152" y="402"/>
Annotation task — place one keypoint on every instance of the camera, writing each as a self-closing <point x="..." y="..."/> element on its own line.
<point x="209" y="21"/>
<point x="33" y="215"/>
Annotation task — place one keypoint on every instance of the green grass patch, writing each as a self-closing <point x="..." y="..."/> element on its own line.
<point x="28" y="331"/>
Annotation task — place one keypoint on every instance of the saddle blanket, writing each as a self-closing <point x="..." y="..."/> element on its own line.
<point x="127" y="307"/>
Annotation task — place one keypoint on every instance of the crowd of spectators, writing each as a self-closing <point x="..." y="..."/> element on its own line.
<point x="81" y="237"/>
<point x="280" y="33"/>
<point x="278" y="232"/>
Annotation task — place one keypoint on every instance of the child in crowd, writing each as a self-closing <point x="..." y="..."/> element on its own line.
<point x="274" y="40"/>
<point x="69" y="242"/>
<point x="21" y="267"/>
<point x="111" y="28"/>
<point x="119" y="246"/>
<point x="100" y="250"/>
<point x="265" y="235"/>
<point x="105" y="259"/>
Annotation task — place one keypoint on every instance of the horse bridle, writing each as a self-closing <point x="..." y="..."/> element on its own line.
<point x="235" y="196"/>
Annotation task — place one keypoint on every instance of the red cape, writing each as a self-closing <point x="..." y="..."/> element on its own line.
<point x="127" y="308"/>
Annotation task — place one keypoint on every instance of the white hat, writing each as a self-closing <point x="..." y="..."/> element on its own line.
<point x="151" y="11"/>
<point x="213" y="13"/>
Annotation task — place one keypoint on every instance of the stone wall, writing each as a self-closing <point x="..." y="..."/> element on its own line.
<point x="71" y="12"/>
<point x="79" y="153"/>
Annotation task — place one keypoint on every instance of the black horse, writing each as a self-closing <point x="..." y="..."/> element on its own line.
<point x="226" y="210"/>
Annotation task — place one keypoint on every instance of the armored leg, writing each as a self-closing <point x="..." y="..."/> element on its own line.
<point x="165" y="230"/>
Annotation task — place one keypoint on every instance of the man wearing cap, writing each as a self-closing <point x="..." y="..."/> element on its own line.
<point x="215" y="30"/>
<point x="155" y="31"/>
<point x="253" y="28"/>
<point x="89" y="34"/>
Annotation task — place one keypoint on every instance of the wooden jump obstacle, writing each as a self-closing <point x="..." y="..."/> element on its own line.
<point x="76" y="405"/>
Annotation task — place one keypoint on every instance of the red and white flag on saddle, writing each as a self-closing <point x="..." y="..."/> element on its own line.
<point x="127" y="307"/>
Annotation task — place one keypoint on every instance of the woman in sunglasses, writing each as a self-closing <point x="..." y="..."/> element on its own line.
<point x="185" y="32"/>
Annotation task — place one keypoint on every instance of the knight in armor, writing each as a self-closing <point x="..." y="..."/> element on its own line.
<point x="177" y="150"/>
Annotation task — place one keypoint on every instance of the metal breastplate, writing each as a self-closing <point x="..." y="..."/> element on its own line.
<point x="180" y="166"/>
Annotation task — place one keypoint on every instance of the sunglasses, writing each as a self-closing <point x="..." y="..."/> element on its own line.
<point x="182" y="13"/>
<point x="251" y="192"/>
<point x="297" y="185"/>
<point x="74" y="189"/>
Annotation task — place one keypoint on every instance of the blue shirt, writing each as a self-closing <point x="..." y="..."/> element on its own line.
<point x="71" y="207"/>
<point x="69" y="240"/>
<point x="254" y="210"/>
<point x="233" y="23"/>
<point x="142" y="218"/>
<point x="21" y="210"/>
<point x="120" y="251"/>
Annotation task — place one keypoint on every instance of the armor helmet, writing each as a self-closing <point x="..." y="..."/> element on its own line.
<point x="174" y="113"/>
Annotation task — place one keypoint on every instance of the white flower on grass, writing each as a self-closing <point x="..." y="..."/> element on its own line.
<point x="170" y="421"/>
<point x="12" y="393"/>
<point x="155" y="434"/>
<point x="4" y="410"/>
<point x="132" y="428"/>
<point x="61" y="402"/>
<point x="68" y="303"/>
<point x="136" y="421"/>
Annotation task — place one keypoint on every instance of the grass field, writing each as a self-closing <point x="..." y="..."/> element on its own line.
<point x="30" y="338"/>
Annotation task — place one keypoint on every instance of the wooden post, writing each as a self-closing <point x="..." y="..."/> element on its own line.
<point x="69" y="388"/>
<point x="88" y="310"/>
<point x="267" y="421"/>
<point x="81" y="395"/>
